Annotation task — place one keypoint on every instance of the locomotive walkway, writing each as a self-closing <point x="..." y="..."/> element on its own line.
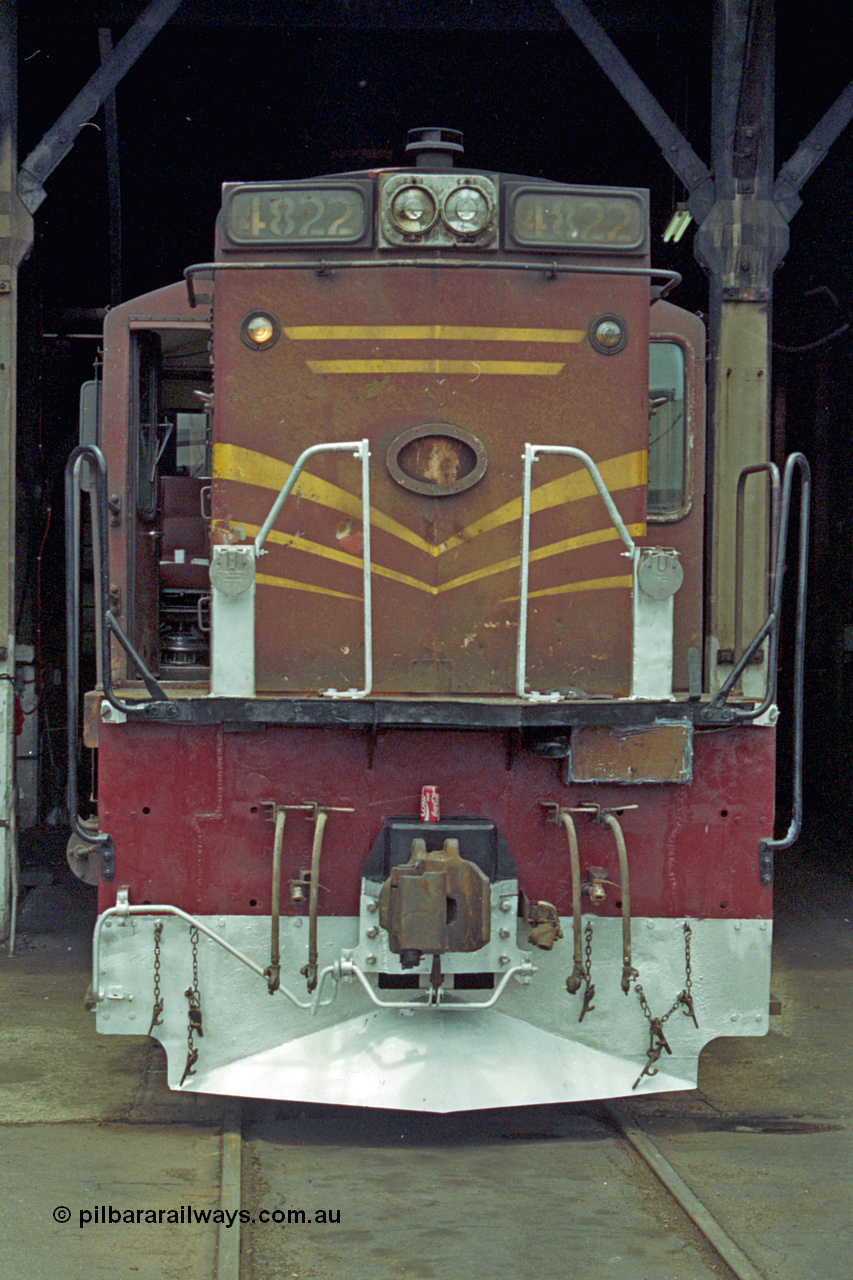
<point x="766" y="1144"/>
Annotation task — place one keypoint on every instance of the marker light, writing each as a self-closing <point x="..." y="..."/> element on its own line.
<point x="608" y="334"/>
<point x="259" y="330"/>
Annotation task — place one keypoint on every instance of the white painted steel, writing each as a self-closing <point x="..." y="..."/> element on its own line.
<point x="232" y="624"/>
<point x="529" y="1049"/>
<point x="651" y="667"/>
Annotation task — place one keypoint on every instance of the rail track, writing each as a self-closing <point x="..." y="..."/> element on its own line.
<point x="358" y="1195"/>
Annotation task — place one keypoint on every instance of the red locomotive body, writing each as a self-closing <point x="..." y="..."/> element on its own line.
<point x="405" y="496"/>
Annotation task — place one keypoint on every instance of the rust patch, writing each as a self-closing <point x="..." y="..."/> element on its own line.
<point x="655" y="753"/>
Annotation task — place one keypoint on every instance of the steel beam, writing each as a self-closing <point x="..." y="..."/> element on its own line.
<point x="677" y="151"/>
<point x="810" y="152"/>
<point x="15" y="240"/>
<point x="59" y="140"/>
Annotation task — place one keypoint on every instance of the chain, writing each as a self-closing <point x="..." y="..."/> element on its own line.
<point x="157" y="1014"/>
<point x="192" y="995"/>
<point x="686" y="997"/>
<point x="684" y="1000"/>
<point x="589" y="990"/>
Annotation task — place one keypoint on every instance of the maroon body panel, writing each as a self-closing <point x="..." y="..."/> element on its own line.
<point x="368" y="354"/>
<point x="190" y="828"/>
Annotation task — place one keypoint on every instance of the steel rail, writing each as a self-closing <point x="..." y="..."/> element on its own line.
<point x="701" y="1217"/>
<point x="230" y="1194"/>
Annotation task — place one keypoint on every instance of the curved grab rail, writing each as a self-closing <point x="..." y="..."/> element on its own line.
<point x="105" y="624"/>
<point x="359" y="449"/>
<point x="771" y="628"/>
<point x="123" y="910"/>
<point x="531" y="454"/>
<point x="771" y="624"/>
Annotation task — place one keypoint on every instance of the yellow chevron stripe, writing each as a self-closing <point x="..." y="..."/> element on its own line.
<point x="231" y="462"/>
<point x="544" y="553"/>
<point x="268" y="580"/>
<point x="518" y="368"/>
<point x="591" y="584"/>
<point x="628" y="471"/>
<point x="340" y="557"/>
<point x="501" y="566"/>
<point x="422" y="332"/>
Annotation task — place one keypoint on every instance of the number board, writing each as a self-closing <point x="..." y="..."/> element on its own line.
<point x="566" y="218"/>
<point x="330" y="213"/>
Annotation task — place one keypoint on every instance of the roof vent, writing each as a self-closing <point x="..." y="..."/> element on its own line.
<point x="434" y="148"/>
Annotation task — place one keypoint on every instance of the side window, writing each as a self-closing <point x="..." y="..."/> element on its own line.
<point x="146" y="421"/>
<point x="668" y="498"/>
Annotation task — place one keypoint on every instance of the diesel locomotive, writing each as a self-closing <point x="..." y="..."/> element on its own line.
<point x="417" y="784"/>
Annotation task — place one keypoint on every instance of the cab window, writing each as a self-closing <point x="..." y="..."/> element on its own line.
<point x="667" y="497"/>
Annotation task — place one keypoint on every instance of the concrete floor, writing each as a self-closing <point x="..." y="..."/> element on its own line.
<point x="765" y="1142"/>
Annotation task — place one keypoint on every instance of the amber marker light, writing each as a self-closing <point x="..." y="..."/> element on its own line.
<point x="608" y="334"/>
<point x="259" y="330"/>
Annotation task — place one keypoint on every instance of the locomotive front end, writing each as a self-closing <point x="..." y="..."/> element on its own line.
<point x="414" y="787"/>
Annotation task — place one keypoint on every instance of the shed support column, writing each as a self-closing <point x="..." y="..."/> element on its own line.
<point x="15" y="240"/>
<point x="740" y="243"/>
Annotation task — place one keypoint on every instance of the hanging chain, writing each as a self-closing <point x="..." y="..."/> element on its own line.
<point x="589" y="990"/>
<point x="192" y="995"/>
<point x="157" y="1014"/>
<point x="684" y="1000"/>
<point x="686" y="997"/>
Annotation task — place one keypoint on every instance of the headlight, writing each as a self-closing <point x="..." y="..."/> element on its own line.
<point x="466" y="211"/>
<point x="413" y="210"/>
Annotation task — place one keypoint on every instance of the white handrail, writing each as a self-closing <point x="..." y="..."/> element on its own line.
<point x="359" y="449"/>
<point x="531" y="454"/>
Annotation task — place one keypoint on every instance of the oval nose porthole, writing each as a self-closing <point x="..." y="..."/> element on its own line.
<point x="437" y="459"/>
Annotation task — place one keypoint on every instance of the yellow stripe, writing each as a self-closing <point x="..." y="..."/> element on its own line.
<point x="502" y="566"/>
<point x="231" y="462"/>
<point x="568" y="588"/>
<point x="521" y="368"/>
<point x="628" y="471"/>
<point x="543" y="553"/>
<point x="340" y="557"/>
<point x="421" y="332"/>
<point x="269" y="581"/>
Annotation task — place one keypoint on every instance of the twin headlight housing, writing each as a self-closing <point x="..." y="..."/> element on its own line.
<point x="437" y="209"/>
